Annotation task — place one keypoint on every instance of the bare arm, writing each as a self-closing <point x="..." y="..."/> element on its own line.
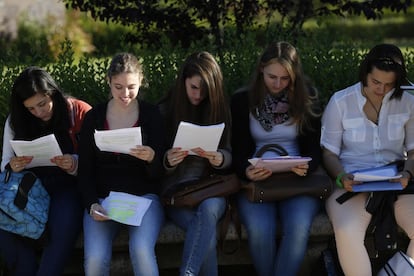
<point x="334" y="168"/>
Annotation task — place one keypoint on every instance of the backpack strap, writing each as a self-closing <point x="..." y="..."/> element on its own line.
<point x="25" y="185"/>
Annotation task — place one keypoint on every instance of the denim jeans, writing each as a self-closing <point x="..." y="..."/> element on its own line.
<point x="98" y="237"/>
<point x="200" y="223"/>
<point x="261" y="221"/>
<point x="64" y="225"/>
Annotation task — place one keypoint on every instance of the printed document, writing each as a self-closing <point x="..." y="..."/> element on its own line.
<point x="190" y="136"/>
<point x="42" y="149"/>
<point x="126" y="208"/>
<point x="280" y="164"/>
<point x="118" y="140"/>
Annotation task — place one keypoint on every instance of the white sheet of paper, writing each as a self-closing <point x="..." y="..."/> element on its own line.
<point x="279" y="164"/>
<point x="118" y="140"/>
<point x="126" y="208"/>
<point x="190" y="136"/>
<point x="42" y="149"/>
<point x="377" y="174"/>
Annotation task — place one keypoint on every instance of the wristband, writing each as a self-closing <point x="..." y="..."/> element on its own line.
<point x="339" y="180"/>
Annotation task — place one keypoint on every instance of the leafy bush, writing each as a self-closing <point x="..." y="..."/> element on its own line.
<point x="332" y="65"/>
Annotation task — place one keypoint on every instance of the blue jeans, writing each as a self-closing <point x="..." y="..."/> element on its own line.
<point x="261" y="221"/>
<point x="98" y="237"/>
<point x="64" y="225"/>
<point x="200" y="223"/>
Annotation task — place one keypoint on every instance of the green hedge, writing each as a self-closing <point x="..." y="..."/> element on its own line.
<point x="332" y="65"/>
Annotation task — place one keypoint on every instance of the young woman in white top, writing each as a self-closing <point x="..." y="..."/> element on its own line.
<point x="367" y="125"/>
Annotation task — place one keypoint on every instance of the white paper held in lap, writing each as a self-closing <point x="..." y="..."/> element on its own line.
<point x="126" y="208"/>
<point x="42" y="149"/>
<point x="190" y="136"/>
<point x="118" y="140"/>
<point x="279" y="164"/>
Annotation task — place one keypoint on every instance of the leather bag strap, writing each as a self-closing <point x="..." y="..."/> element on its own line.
<point x="230" y="216"/>
<point x="272" y="147"/>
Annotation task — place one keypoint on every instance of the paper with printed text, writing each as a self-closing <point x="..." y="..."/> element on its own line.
<point x="118" y="140"/>
<point x="42" y="149"/>
<point x="126" y="208"/>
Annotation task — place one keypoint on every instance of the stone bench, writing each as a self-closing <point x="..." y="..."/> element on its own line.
<point x="170" y="242"/>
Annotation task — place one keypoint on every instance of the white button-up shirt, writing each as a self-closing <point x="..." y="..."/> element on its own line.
<point x="360" y="143"/>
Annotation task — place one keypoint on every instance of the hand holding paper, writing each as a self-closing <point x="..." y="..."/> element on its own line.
<point x="42" y="149"/>
<point x="126" y="208"/>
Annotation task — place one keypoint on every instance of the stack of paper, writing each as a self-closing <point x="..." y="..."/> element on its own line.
<point x="280" y="164"/>
<point x="377" y="179"/>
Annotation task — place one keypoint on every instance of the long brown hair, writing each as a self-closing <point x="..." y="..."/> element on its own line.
<point x="213" y="109"/>
<point x="299" y="94"/>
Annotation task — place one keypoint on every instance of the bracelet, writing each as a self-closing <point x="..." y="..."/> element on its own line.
<point x="411" y="175"/>
<point x="339" y="180"/>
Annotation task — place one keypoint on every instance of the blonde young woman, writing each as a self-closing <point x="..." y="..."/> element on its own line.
<point x="276" y="108"/>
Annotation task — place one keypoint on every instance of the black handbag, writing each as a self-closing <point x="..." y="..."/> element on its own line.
<point x="283" y="185"/>
<point x="190" y="194"/>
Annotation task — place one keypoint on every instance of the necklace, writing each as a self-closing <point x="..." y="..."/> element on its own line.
<point x="377" y="110"/>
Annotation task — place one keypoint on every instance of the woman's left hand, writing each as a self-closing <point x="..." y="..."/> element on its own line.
<point x="66" y="162"/>
<point x="301" y="170"/>
<point x="145" y="153"/>
<point x="214" y="157"/>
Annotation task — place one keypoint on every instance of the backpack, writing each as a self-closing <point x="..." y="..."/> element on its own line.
<point x="24" y="204"/>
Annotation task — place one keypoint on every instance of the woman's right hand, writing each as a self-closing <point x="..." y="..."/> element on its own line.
<point x="175" y="156"/>
<point x="257" y="174"/>
<point x="18" y="163"/>
<point x="98" y="213"/>
<point x="348" y="181"/>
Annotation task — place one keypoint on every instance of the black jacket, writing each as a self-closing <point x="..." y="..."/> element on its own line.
<point x="101" y="172"/>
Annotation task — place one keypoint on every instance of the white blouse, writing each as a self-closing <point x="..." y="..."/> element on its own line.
<point x="360" y="143"/>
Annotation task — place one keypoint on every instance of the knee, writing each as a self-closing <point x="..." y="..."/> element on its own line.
<point x="260" y="235"/>
<point x="213" y="207"/>
<point x="96" y="265"/>
<point x="299" y="231"/>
